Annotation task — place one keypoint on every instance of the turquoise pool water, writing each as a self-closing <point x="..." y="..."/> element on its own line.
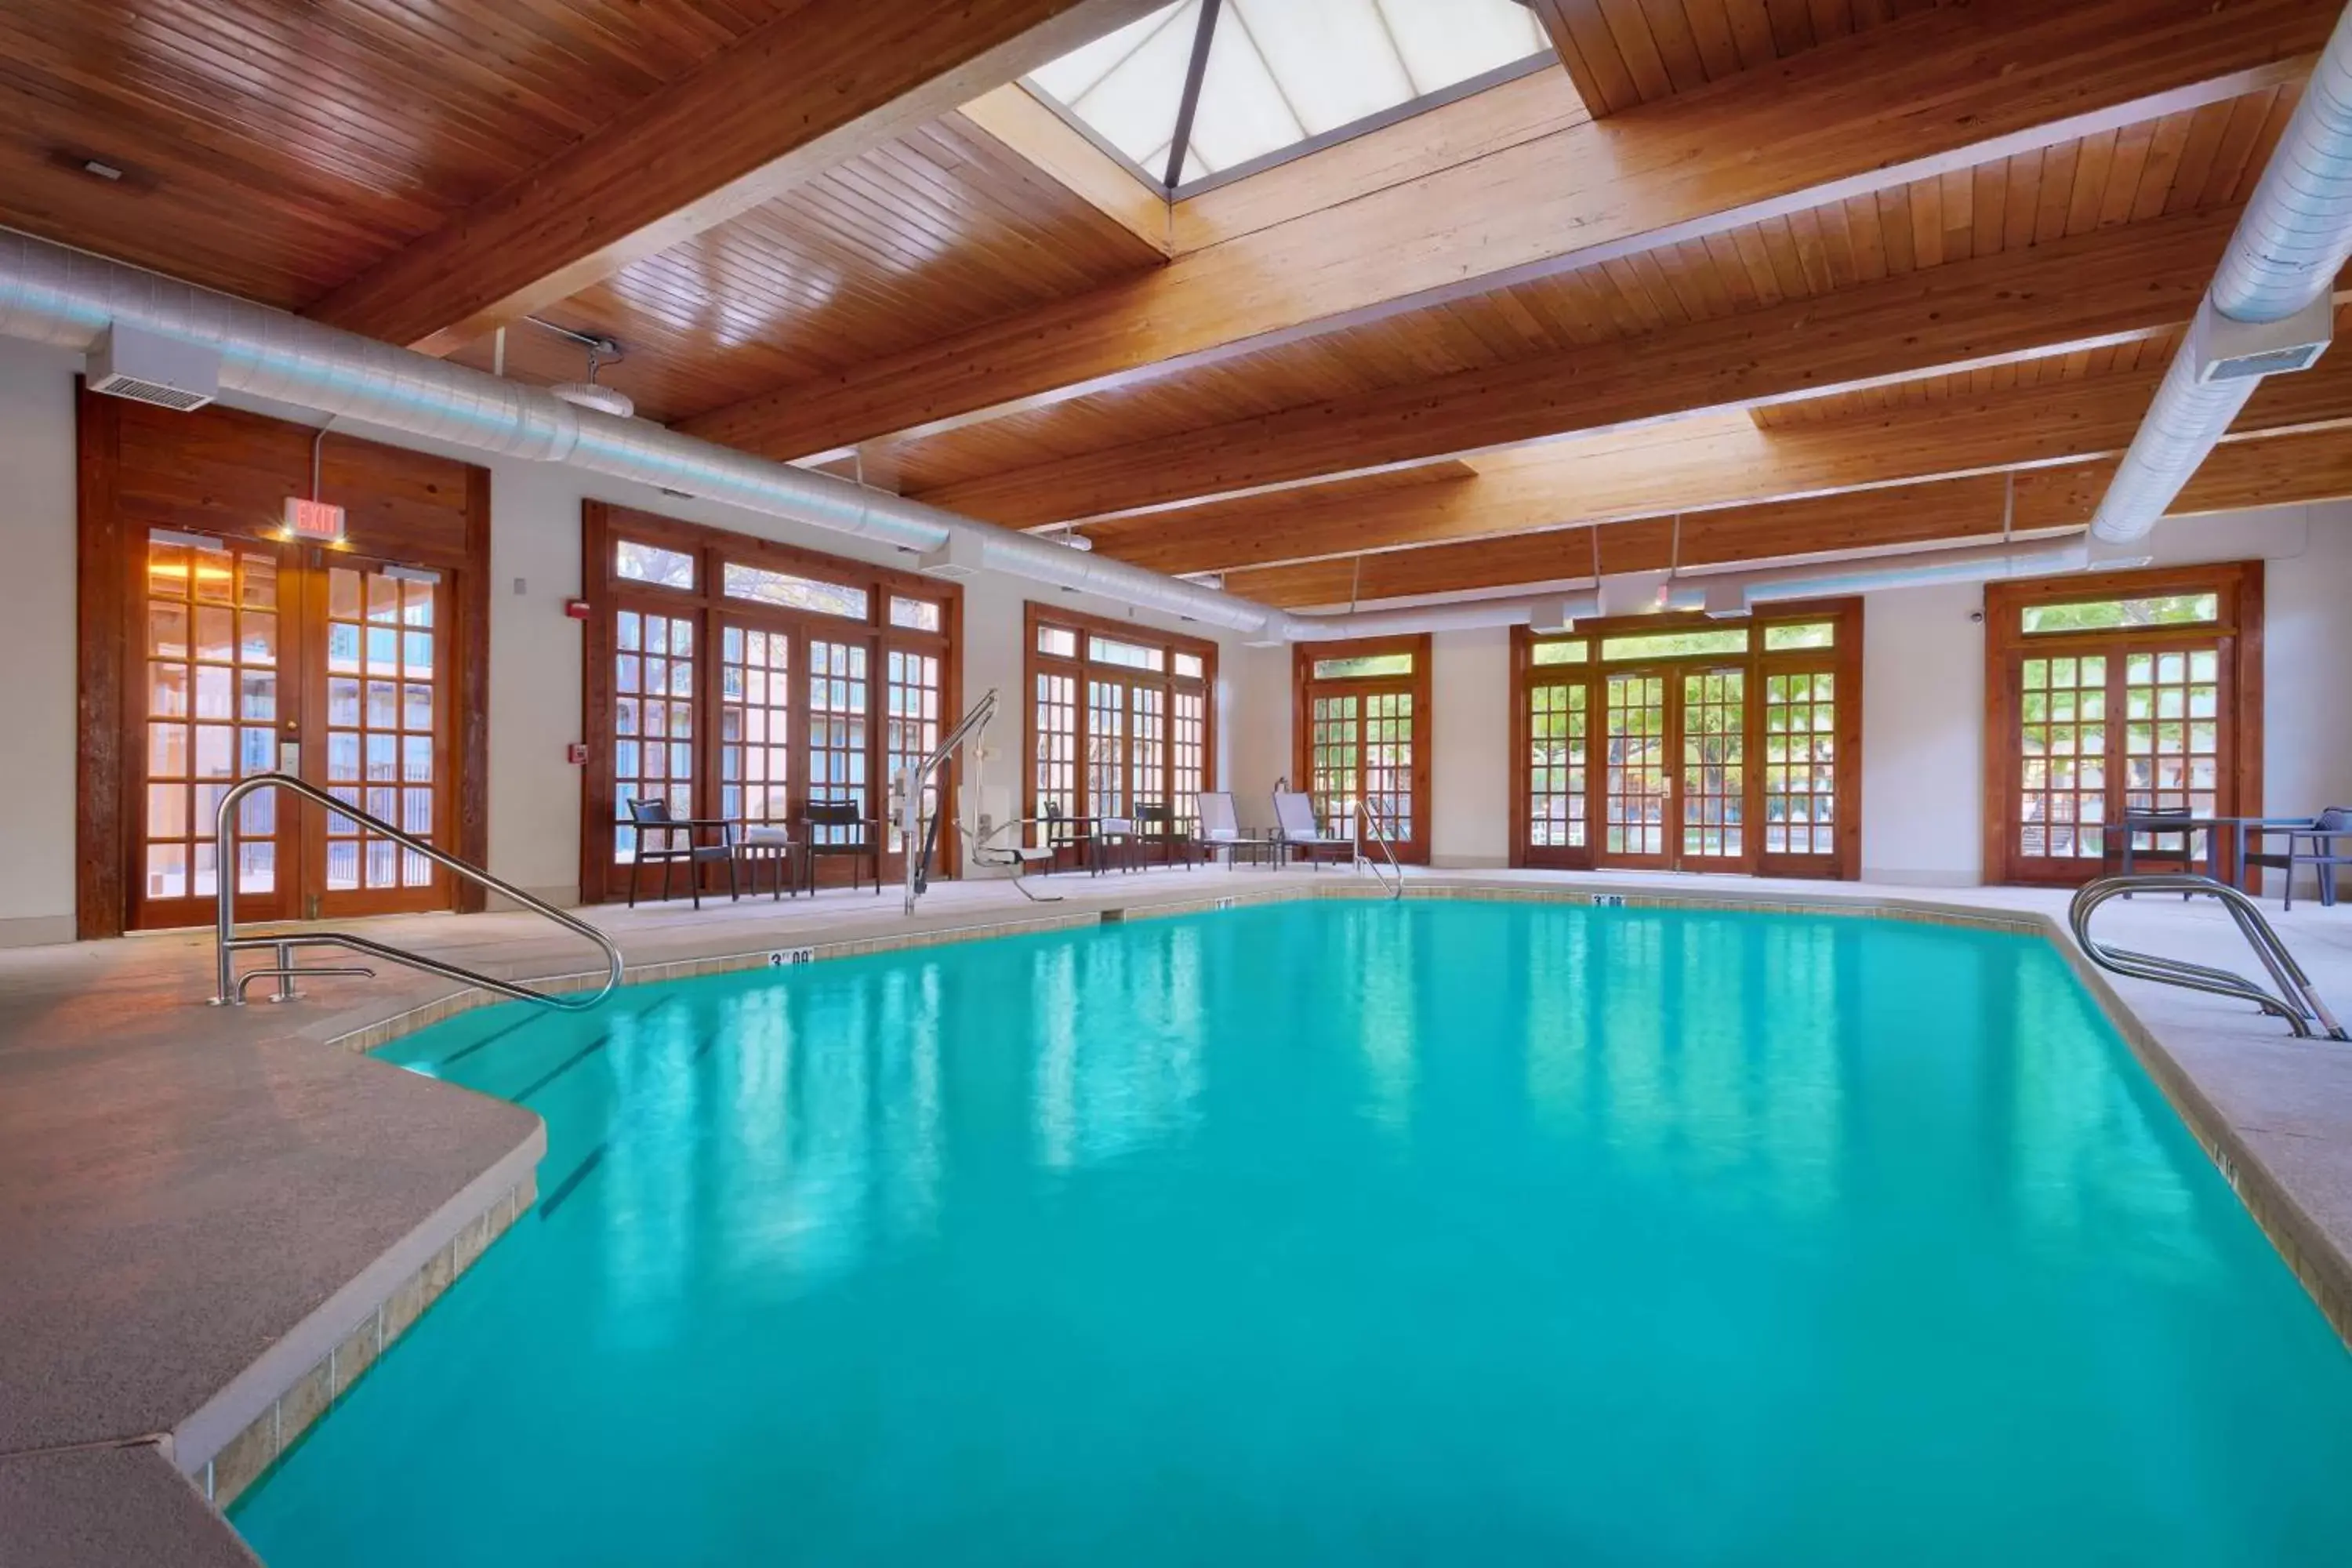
<point x="1356" y="1233"/>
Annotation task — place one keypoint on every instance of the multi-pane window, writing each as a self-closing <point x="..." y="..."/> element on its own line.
<point x="1053" y="736"/>
<point x="382" y="673"/>
<point x="211" y="683"/>
<point x="2118" y="702"/>
<point x="838" y="727"/>
<point x="1361" y="738"/>
<point x="1335" y="753"/>
<point x="1556" y="764"/>
<point x="652" y="718"/>
<point x="827" y="679"/>
<point x="1801" y="763"/>
<point x="755" y="725"/>
<point x="1118" y="720"/>
<point x="912" y="699"/>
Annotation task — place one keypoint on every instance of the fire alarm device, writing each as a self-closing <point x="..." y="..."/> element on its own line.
<point x="576" y="753"/>
<point x="577" y="608"/>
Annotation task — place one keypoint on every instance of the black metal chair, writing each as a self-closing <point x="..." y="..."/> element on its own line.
<point x="1155" y="826"/>
<point x="652" y="819"/>
<point x="1113" y="842"/>
<point x="835" y="830"/>
<point x="2320" y="846"/>
<point x="2120" y="839"/>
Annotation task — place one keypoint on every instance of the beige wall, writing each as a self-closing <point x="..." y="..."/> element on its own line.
<point x="36" y="644"/>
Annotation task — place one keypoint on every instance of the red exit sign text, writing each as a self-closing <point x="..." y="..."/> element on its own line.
<point x="315" y="520"/>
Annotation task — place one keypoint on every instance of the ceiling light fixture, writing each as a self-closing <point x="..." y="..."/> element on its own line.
<point x="587" y="393"/>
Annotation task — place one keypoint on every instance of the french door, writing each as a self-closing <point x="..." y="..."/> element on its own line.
<point x="1364" y="744"/>
<point x="259" y="655"/>
<point x="1674" y="783"/>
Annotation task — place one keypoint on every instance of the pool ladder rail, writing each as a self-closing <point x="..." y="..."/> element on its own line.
<point x="2295" y="1000"/>
<point x="1368" y="818"/>
<point x="227" y="944"/>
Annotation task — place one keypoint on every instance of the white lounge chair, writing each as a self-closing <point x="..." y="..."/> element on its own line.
<point x="1220" y="827"/>
<point x="1297" y="828"/>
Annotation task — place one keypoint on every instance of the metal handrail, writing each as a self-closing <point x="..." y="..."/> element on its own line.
<point x="911" y="805"/>
<point x="2296" y="1000"/>
<point x="227" y="943"/>
<point x="1368" y="816"/>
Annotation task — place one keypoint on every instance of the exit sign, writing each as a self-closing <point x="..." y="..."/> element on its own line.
<point x="315" y="520"/>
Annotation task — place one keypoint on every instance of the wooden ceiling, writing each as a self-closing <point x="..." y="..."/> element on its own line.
<point x="1747" y="254"/>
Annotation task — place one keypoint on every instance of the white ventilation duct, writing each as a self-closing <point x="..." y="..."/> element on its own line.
<point x="2269" y="308"/>
<point x="1962" y="563"/>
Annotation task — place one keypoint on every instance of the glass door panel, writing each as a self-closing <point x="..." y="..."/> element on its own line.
<point x="1712" y="806"/>
<point x="755" y="726"/>
<point x="2061" y="812"/>
<point x="1335" y="755"/>
<point x="209" y="707"/>
<point x="1635" y="781"/>
<point x="1557" y="719"/>
<point x="839" y="733"/>
<point x="2172" y="738"/>
<point x="912" y="703"/>
<point x="1387" y="749"/>
<point x="652" y="718"/>
<point x="1107" y="748"/>
<point x="385" y="678"/>
<point x="1055" y="765"/>
<point x="1801" y="763"/>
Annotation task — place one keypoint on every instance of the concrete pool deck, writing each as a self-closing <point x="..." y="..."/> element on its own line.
<point x="215" y="1218"/>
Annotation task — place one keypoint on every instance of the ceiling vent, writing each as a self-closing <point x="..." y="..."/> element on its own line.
<point x="955" y="561"/>
<point x="2230" y="350"/>
<point x="150" y="367"/>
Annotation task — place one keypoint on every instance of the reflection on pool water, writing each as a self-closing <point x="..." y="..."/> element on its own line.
<point x="1350" y="1232"/>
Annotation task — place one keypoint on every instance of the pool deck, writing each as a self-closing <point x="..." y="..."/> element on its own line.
<point x="200" y="1202"/>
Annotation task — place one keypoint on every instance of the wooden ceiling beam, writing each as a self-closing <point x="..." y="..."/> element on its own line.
<point x="821" y="83"/>
<point x="1014" y="117"/>
<point x="1696" y="465"/>
<point x="1932" y="93"/>
<point x="2307" y="467"/>
<point x="2106" y="286"/>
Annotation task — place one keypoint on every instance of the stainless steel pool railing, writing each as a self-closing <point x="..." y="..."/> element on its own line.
<point x="1369" y="817"/>
<point x="2296" y="1000"/>
<point x="227" y="943"/>
<point x="911" y="785"/>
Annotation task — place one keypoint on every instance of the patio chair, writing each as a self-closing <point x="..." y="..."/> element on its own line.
<point x="1220" y="828"/>
<point x="2152" y="821"/>
<point x="838" y="829"/>
<point x="2321" y="843"/>
<point x="652" y="820"/>
<point x="1155" y="828"/>
<point x="1295" y="827"/>
<point x="1112" y="842"/>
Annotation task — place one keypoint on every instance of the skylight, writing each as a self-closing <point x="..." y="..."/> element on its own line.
<point x="1280" y="76"/>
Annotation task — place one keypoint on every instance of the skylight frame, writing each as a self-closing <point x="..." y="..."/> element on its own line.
<point x="1211" y="15"/>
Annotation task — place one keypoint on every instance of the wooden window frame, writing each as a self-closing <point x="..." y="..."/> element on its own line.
<point x="1305" y="687"/>
<point x="2239" y="584"/>
<point x="603" y="525"/>
<point x="385" y="490"/>
<point x="1842" y="659"/>
<point x="1082" y="668"/>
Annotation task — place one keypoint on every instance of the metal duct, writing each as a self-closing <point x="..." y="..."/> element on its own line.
<point x="2291" y="243"/>
<point x="50" y="294"/>
<point x="1964" y="564"/>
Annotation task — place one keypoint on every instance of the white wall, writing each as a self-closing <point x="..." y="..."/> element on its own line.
<point x="535" y="648"/>
<point x="1923" y="735"/>
<point x="36" y="644"/>
<point x="1470" y="697"/>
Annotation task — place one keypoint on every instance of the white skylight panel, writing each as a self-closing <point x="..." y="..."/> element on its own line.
<point x="1331" y="57"/>
<point x="1243" y="113"/>
<point x="1129" y="96"/>
<point x="1447" y="41"/>
<point x="1280" y="74"/>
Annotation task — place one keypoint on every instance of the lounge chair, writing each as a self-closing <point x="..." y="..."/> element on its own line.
<point x="1220" y="828"/>
<point x="2319" y="844"/>
<point x="1295" y="827"/>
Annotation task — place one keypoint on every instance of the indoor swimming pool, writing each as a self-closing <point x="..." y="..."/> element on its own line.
<point x="1351" y="1232"/>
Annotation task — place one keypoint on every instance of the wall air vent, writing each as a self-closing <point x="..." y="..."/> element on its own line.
<point x="153" y="367"/>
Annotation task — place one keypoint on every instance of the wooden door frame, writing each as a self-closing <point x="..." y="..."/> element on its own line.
<point x="604" y="590"/>
<point x="2239" y="626"/>
<point x="1841" y="660"/>
<point x="1416" y="851"/>
<point x="111" y="546"/>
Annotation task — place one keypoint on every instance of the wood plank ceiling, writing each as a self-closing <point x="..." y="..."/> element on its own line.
<point x="284" y="153"/>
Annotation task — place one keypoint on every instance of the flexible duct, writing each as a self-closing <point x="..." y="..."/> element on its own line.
<point x="51" y="294"/>
<point x="2290" y="244"/>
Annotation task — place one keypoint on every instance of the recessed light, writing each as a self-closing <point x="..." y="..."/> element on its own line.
<point x="104" y="170"/>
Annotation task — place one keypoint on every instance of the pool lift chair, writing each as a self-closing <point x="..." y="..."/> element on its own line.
<point x="999" y="846"/>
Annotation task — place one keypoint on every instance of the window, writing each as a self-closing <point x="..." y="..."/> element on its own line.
<point x="1278" y="77"/>
<point x="651" y="564"/>
<point x="2125" y="694"/>
<point x="1363" y="666"/>
<point x="1361" y="737"/>
<point x="757" y="680"/>
<point x="2115" y="614"/>
<point x="1692" y="746"/>
<point x="792" y="593"/>
<point x="1118" y="723"/>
